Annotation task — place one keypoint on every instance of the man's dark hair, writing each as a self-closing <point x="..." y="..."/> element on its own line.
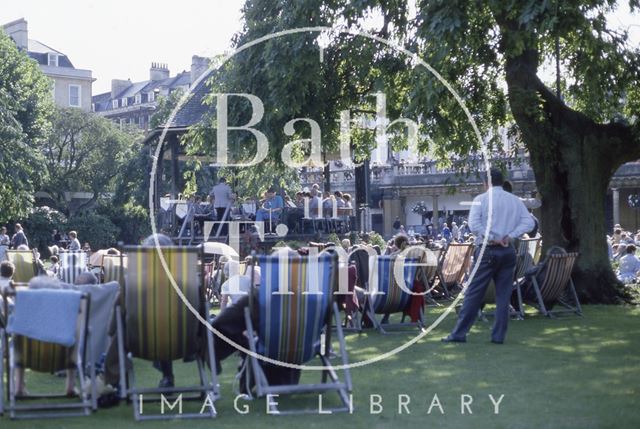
<point x="507" y="186"/>
<point x="54" y="259"/>
<point x="271" y="189"/>
<point x="497" y="179"/>
<point x="7" y="269"/>
<point x="631" y="249"/>
<point x="223" y="180"/>
<point x="400" y="240"/>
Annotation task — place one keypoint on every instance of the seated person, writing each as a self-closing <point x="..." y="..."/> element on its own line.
<point x="54" y="268"/>
<point x="629" y="269"/>
<point x="231" y="292"/>
<point x="271" y="208"/>
<point x="6" y="273"/>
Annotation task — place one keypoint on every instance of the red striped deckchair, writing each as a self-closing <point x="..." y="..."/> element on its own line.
<point x="294" y="305"/>
<point x="160" y="327"/>
<point x="455" y="265"/>
<point x="551" y="284"/>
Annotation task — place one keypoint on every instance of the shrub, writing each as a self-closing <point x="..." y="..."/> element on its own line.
<point x="39" y="226"/>
<point x="94" y="228"/>
<point x="131" y="219"/>
<point x="375" y="238"/>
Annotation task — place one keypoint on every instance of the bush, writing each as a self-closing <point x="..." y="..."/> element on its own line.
<point x="375" y="238"/>
<point x="39" y="226"/>
<point x="132" y="220"/>
<point x="94" y="228"/>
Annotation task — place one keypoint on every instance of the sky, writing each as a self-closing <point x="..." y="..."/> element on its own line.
<point x="119" y="39"/>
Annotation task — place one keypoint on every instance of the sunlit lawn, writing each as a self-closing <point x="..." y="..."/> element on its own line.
<point x="566" y="372"/>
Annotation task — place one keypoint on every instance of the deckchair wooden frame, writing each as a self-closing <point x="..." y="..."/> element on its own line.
<point x="343" y="389"/>
<point x="208" y="386"/>
<point x="82" y="349"/>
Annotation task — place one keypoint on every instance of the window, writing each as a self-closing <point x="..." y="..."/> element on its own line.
<point x="121" y="123"/>
<point x="114" y="104"/>
<point x="141" y="121"/>
<point x="150" y="97"/>
<point x="52" y="59"/>
<point x="138" y="99"/>
<point x="74" y="96"/>
<point x="124" y="102"/>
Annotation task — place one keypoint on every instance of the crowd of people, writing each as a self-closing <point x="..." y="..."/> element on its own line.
<point x="623" y="246"/>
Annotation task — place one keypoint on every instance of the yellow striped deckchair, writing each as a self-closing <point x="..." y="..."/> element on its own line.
<point x="25" y="263"/>
<point x="47" y="357"/>
<point x="159" y="326"/>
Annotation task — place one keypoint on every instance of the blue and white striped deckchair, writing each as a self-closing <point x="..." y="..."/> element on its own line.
<point x="294" y="304"/>
<point x="72" y="264"/>
<point x="385" y="295"/>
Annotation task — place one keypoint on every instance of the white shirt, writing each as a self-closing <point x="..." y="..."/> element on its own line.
<point x="221" y="195"/>
<point x="509" y="215"/>
<point x="241" y="289"/>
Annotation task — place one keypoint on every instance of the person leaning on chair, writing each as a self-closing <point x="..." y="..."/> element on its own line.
<point x="510" y="219"/>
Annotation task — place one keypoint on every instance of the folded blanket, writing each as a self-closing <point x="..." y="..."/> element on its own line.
<point x="48" y="315"/>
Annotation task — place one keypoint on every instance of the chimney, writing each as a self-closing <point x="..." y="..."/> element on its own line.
<point x="199" y="65"/>
<point x="158" y="71"/>
<point x="118" y="85"/>
<point x="17" y="30"/>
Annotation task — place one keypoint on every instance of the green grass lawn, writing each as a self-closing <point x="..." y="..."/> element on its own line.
<point x="581" y="372"/>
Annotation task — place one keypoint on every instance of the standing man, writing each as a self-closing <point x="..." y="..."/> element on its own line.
<point x="510" y="219"/>
<point x="222" y="198"/>
<point x="19" y="238"/>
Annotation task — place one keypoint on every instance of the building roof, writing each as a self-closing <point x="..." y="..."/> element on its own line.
<point x="194" y="109"/>
<point x="103" y="101"/>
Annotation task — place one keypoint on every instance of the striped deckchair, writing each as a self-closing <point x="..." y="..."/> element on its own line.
<point x="454" y="266"/>
<point x="293" y="308"/>
<point x="158" y="326"/>
<point x="47" y="357"/>
<point x="25" y="263"/>
<point x="551" y="284"/>
<point x="72" y="264"/>
<point x="114" y="268"/>
<point x="527" y="251"/>
<point x="386" y="296"/>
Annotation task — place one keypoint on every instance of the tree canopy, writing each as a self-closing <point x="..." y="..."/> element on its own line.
<point x="85" y="153"/>
<point x="25" y="110"/>
<point x="499" y="56"/>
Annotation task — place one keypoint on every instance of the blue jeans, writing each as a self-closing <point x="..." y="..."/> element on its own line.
<point x="498" y="263"/>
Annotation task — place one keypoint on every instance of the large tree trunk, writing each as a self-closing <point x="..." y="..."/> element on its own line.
<point x="573" y="159"/>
